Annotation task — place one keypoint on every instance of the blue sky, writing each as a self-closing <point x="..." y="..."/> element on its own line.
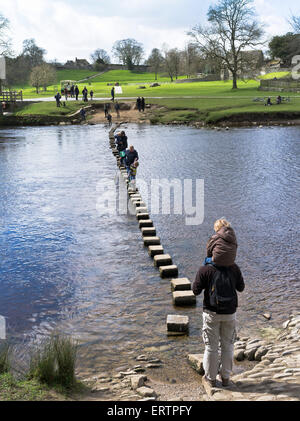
<point x="73" y="28"/>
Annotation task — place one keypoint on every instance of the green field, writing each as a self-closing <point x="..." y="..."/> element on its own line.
<point x="183" y="102"/>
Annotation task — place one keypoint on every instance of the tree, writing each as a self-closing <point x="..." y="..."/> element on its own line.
<point x="5" y="42"/>
<point x="172" y="62"/>
<point x="155" y="61"/>
<point x="100" y="58"/>
<point x="295" y="23"/>
<point x="190" y="60"/>
<point x="129" y="52"/>
<point x="285" y="47"/>
<point x="42" y="75"/>
<point x="232" y="28"/>
<point x="33" y="54"/>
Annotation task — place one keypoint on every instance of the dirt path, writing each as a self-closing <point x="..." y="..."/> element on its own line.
<point x="126" y="116"/>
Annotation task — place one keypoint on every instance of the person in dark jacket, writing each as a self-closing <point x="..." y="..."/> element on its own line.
<point x="57" y="98"/>
<point x="121" y="143"/>
<point x="130" y="157"/>
<point x="222" y="246"/>
<point x="139" y="103"/>
<point x="112" y="93"/>
<point x="218" y="326"/>
<point x="143" y="104"/>
<point x="76" y="90"/>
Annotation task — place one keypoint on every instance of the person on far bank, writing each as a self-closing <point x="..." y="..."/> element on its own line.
<point x="57" y="98"/>
<point x="143" y="104"/>
<point x="117" y="108"/>
<point x="76" y="91"/>
<point x="220" y="302"/>
<point x="91" y="94"/>
<point x="139" y="103"/>
<point x="112" y="93"/>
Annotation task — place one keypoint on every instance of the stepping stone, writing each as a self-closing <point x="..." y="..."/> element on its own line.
<point x="134" y="195"/>
<point x="180" y="284"/>
<point x="178" y="324"/>
<point x="141" y="209"/>
<point x="148" y="231"/>
<point x="151" y="241"/>
<point x="168" y="271"/>
<point x="138" y="203"/>
<point x="184" y="298"/>
<point x="154" y="250"/>
<point x="145" y="223"/>
<point x="196" y="361"/>
<point x="162" y="260"/>
<point x="142" y="215"/>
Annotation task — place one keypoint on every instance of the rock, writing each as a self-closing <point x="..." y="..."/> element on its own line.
<point x="260" y="352"/>
<point x="249" y="353"/>
<point x="154" y="250"/>
<point x="146" y="391"/>
<point x="148" y="231"/>
<point x="180" y="284"/>
<point x="142" y="358"/>
<point x="145" y="223"/>
<point x="162" y="260"/>
<point x="151" y="241"/>
<point x="97" y="388"/>
<point x="168" y="271"/>
<point x="176" y="323"/>
<point x="153" y="365"/>
<point x="137" y="381"/>
<point x="196" y="361"/>
<point x="267" y="316"/>
<point x="127" y="373"/>
<point x="184" y="298"/>
<point x="239" y="355"/>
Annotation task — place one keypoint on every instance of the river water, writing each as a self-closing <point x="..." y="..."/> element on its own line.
<point x="66" y="266"/>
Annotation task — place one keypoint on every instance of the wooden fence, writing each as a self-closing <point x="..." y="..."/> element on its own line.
<point x="11" y="96"/>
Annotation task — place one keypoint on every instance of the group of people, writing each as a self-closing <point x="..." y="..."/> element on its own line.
<point x="278" y="101"/>
<point x="219" y="277"/>
<point x="129" y="157"/>
<point x="140" y="104"/>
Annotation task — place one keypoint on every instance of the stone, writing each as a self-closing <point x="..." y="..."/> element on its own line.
<point x="183" y="298"/>
<point x="145" y="223"/>
<point x="153" y="365"/>
<point x="239" y="355"/>
<point x="180" y="284"/>
<point x="162" y="260"/>
<point x="137" y="381"/>
<point x="141" y="209"/>
<point x="142" y="357"/>
<point x="148" y="231"/>
<point x="138" y="203"/>
<point x="154" y="250"/>
<point x="249" y="353"/>
<point x="260" y="352"/>
<point x="142" y="215"/>
<point x="176" y="323"/>
<point x="267" y="316"/>
<point x="196" y="361"/>
<point x="151" y="241"/>
<point x="168" y="271"/>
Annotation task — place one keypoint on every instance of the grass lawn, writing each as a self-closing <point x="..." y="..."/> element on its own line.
<point x="50" y="108"/>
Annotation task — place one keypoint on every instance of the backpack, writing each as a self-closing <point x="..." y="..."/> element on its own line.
<point x="222" y="293"/>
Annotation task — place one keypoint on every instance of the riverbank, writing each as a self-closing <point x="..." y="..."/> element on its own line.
<point x="195" y="112"/>
<point x="266" y="368"/>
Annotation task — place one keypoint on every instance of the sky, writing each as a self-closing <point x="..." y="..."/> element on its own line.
<point x="75" y="28"/>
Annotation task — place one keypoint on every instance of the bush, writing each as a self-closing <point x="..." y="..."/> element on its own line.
<point x="55" y="362"/>
<point x="4" y="359"/>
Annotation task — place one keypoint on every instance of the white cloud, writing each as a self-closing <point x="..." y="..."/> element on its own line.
<point x="69" y="29"/>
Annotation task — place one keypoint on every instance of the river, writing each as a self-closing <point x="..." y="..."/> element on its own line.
<point x="66" y="266"/>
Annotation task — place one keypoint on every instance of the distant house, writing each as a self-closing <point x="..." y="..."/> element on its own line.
<point x="78" y="64"/>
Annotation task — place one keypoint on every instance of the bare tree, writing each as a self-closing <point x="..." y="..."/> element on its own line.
<point x="5" y="42"/>
<point x="155" y="61"/>
<point x="232" y="28"/>
<point x="42" y="76"/>
<point x="33" y="54"/>
<point x="295" y="23"/>
<point x="172" y="62"/>
<point x="129" y="52"/>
